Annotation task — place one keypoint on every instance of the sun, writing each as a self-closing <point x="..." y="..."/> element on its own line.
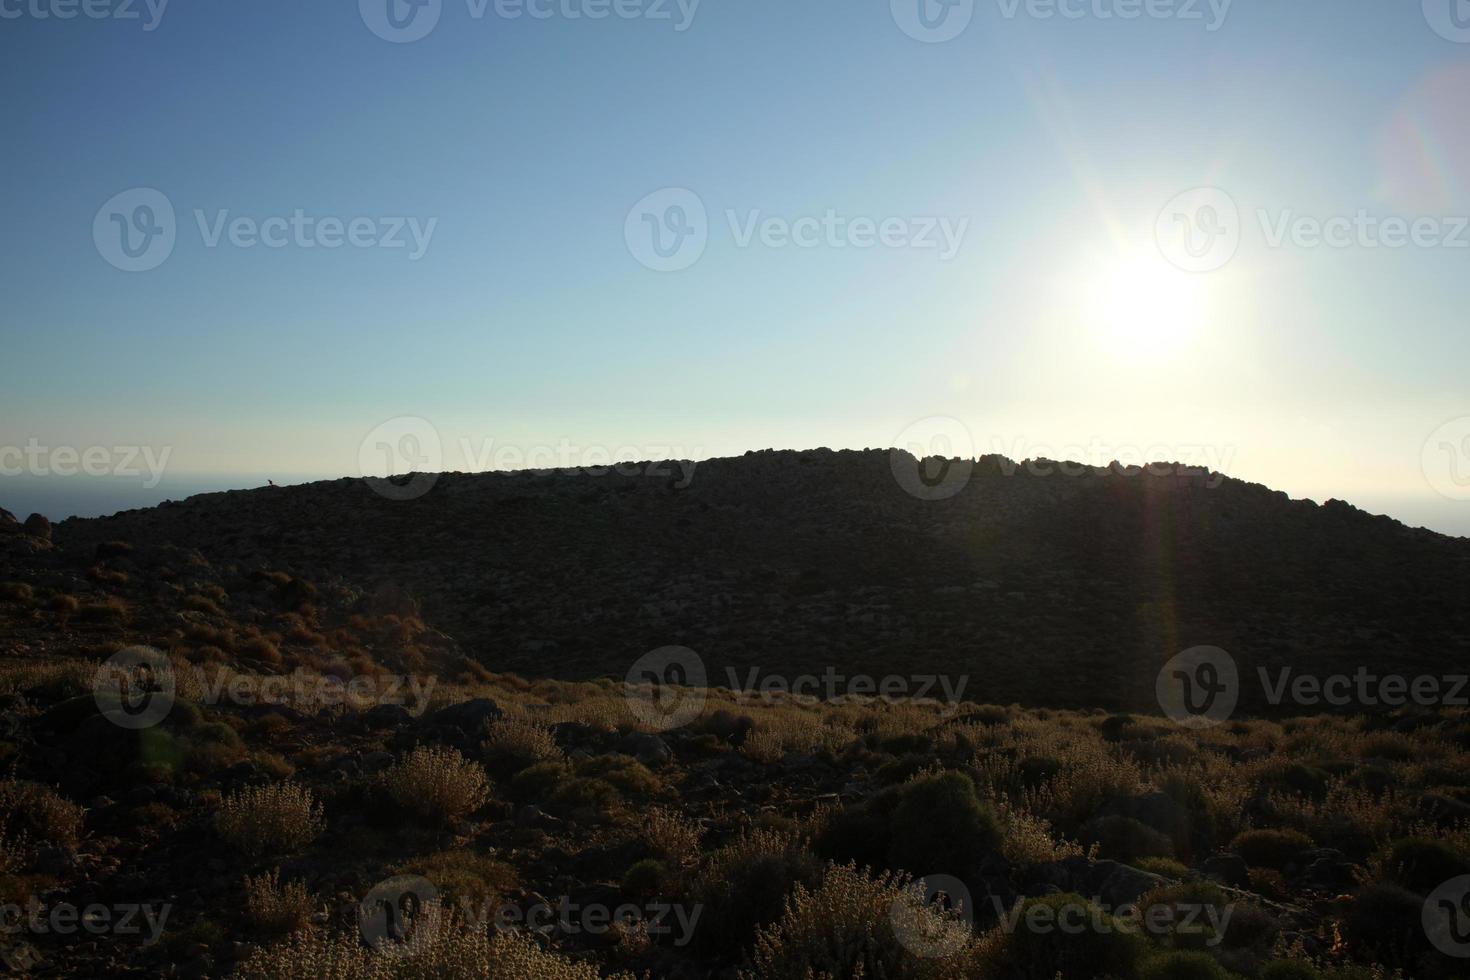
<point x="1140" y="307"/>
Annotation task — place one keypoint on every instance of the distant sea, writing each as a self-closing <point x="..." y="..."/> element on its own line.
<point x="92" y="496"/>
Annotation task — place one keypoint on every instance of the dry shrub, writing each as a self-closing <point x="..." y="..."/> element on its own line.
<point x="670" y="834"/>
<point x="17" y="592"/>
<point x="1027" y="839"/>
<point x="275" y="908"/>
<point x="438" y="947"/>
<point x="514" y="743"/>
<point x="855" y="925"/>
<point x="109" y="610"/>
<point x="275" y="818"/>
<point x="764" y="745"/>
<point x="437" y="784"/>
<point x="15" y="852"/>
<point x="67" y="678"/>
<point x="31" y="808"/>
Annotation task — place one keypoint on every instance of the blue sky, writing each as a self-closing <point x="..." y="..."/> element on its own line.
<point x="1055" y="143"/>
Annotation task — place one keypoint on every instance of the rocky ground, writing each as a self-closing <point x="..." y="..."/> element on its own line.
<point x="490" y="758"/>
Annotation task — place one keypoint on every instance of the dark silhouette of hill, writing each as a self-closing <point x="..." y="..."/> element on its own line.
<point x="1066" y="590"/>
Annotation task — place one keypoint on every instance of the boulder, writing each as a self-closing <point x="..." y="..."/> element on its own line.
<point x="648" y="749"/>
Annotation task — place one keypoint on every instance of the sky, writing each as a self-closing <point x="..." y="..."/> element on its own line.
<point x="284" y="240"/>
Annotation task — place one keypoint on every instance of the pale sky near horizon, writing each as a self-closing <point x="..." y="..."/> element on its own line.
<point x="695" y="229"/>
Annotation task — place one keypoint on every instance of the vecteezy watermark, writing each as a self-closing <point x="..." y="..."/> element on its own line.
<point x="1446" y="917"/>
<point x="401" y="459"/>
<point x="149" y="12"/>
<point x="1075" y="918"/>
<point x="933" y="458"/>
<point x="1445" y="459"/>
<point x="1201" y="230"/>
<point x="1199" y="687"/>
<point x="1364" y="688"/>
<point x="666" y="688"/>
<point x="1206" y="463"/>
<point x="668" y="231"/>
<point x="1210" y="13"/>
<point x="1450" y="19"/>
<point x="572" y="918"/>
<point x="136" y="231"/>
<point x="405" y="21"/>
<point x="831" y="686"/>
<point x="660" y="462"/>
<point x="936" y="21"/>
<point x="932" y="21"/>
<point x="34" y="459"/>
<point x="934" y="916"/>
<point x="387" y="916"/>
<point x="97" y="919"/>
<point x="136" y="688"/>
<point x="1202" y="686"/>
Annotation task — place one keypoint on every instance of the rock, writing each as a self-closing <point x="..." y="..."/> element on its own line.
<point x="648" y="749"/>
<point x="469" y="717"/>
<point x="55" y="861"/>
<point x="376" y="761"/>
<point x="385" y="716"/>
<point x="534" y="816"/>
<point x="38" y="527"/>
<point x="1228" y="869"/>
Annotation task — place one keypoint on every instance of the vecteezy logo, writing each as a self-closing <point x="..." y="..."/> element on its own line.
<point x="134" y="688"/>
<point x="1199" y="687"/>
<point x="1199" y="230"/>
<point x="401" y="458"/>
<point x="1446" y="459"/>
<point x="934" y="917"/>
<point x="400" y="21"/>
<point x="933" y="458"/>
<point x="668" y="230"/>
<point x="1446" y="917"/>
<point x="665" y="688"/>
<point x="386" y="916"/>
<point x="135" y="230"/>
<point x="932" y="21"/>
<point x="1450" y="19"/>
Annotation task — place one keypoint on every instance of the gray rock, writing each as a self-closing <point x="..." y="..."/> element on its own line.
<point x="648" y="749"/>
<point x="1228" y="869"/>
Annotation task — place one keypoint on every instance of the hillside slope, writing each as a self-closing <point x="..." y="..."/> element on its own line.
<point x="1069" y="590"/>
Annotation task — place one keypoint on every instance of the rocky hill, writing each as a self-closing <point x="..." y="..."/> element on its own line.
<point x="1066" y="589"/>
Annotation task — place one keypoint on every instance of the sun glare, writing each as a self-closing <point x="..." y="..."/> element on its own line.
<point x="1140" y="307"/>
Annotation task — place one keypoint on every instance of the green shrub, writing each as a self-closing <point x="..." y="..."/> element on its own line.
<point x="1126" y="839"/>
<point x="1420" y="864"/>
<point x="1298" y="778"/>
<point x="745" y="885"/>
<point x="646" y="878"/>
<point x="537" y="783"/>
<point x="581" y="793"/>
<point x="1273" y="849"/>
<point x="1290" y="970"/>
<point x="901" y="770"/>
<point x="1385" y="924"/>
<point x="1040" y="949"/>
<point x="1183" y="966"/>
<point x="939" y="825"/>
<point x="631" y="777"/>
<point x="1161" y="866"/>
